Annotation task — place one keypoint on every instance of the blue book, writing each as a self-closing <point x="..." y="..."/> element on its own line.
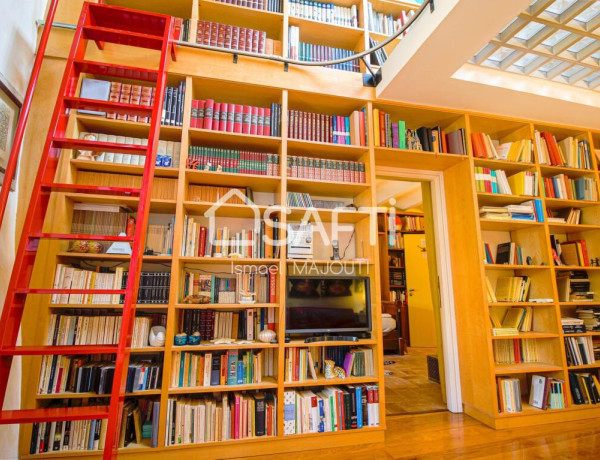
<point x="494" y="181"/>
<point x="232" y="364"/>
<point x="359" y="409"/>
<point x="155" y="415"/>
<point x="347" y="129"/>
<point x="181" y="369"/>
<point x="334" y="128"/>
<point x="539" y="210"/>
<point x="91" y="435"/>
<point x="240" y="373"/>
<point x="321" y="416"/>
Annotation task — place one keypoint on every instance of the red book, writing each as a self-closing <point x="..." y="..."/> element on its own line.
<point x="194" y="114"/>
<point x="209" y="106"/>
<point x="260" y="121"/>
<point x="478" y="147"/>
<point x="200" y="113"/>
<point x="228" y="36"/>
<point x="255" y="40"/>
<point x="235" y="38"/>
<point x="382" y="136"/>
<point x="237" y="118"/>
<point x="202" y="241"/>
<point x="230" y="117"/>
<point x="262" y="38"/>
<point x="216" y="116"/>
<point x="214" y="33"/>
<point x="267" y="122"/>
<point x="552" y="149"/>
<point x="177" y="23"/>
<point x="221" y="30"/>
<point x="114" y="96"/>
<point x="249" y="39"/>
<point x="444" y="142"/>
<point x="200" y="32"/>
<point x="361" y="128"/>
<point x="242" y="39"/>
<point x="254" y="121"/>
<point x="223" y="118"/>
<point x="130" y="229"/>
<point x="246" y="119"/>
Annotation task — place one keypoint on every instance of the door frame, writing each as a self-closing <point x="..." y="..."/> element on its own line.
<point x="444" y="268"/>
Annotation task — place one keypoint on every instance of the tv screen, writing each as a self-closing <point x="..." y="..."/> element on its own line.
<point x="340" y="304"/>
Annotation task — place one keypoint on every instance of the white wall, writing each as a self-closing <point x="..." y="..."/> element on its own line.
<point x="17" y="48"/>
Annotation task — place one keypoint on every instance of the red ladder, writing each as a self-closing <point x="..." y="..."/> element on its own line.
<point x="101" y="24"/>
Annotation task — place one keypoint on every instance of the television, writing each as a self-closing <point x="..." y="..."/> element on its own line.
<point x="327" y="304"/>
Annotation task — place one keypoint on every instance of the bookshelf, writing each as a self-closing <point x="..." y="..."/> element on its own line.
<point x="330" y="92"/>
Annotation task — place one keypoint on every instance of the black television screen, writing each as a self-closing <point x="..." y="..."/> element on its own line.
<point x="323" y="304"/>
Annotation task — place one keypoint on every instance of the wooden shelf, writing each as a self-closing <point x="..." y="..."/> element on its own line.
<point x="327" y="188"/>
<point x="526" y="368"/>
<point x="571" y="228"/>
<point x="227" y="260"/>
<point x="575" y="267"/>
<point x="584" y="366"/>
<point x="328" y="262"/>
<point x="301" y="343"/>
<point x="548" y="170"/>
<point x="323" y="33"/>
<point x="515" y="267"/>
<point x="267" y="383"/>
<point x="326" y="150"/>
<point x="224" y="210"/>
<point x="156" y="205"/>
<point x="140" y="306"/>
<point x="223" y="306"/>
<point x="417" y="159"/>
<point x="269" y="21"/>
<point x="518" y="304"/>
<point x="500" y="199"/>
<point x="583" y="334"/>
<point x="558" y="203"/>
<point x="70" y="395"/>
<point x="508" y="225"/>
<point x="208" y="346"/>
<point x="256" y="182"/>
<point x="322" y="381"/>
<point x="104" y="256"/>
<point x="527" y="335"/>
<point x="101" y="166"/>
<point x="346" y="216"/>
<point x="205" y="137"/>
<point x="510" y="167"/>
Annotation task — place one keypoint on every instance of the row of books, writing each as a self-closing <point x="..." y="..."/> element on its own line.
<point x="181" y="29"/>
<point x="509" y="395"/>
<point x="233" y="161"/>
<point x="239" y="325"/>
<point x="309" y="52"/>
<point x="509" y="289"/>
<point x="234" y="37"/>
<point x="515" y="320"/>
<point x="336" y="129"/>
<point x="486" y="147"/>
<point x="325" y="12"/>
<point x="572" y="325"/>
<point x="580" y="350"/>
<point x="69" y="277"/>
<point x="247" y="243"/>
<point x="547" y="393"/>
<point x="528" y="210"/>
<point x="328" y="170"/>
<point x="233" y="367"/>
<point x="331" y="409"/>
<point x="116" y="91"/>
<point x="515" y="351"/>
<point x="163" y="188"/>
<point x="215" y="193"/>
<point x="94" y="374"/>
<point x="139" y="420"/>
<point x="495" y="181"/>
<point x="385" y="23"/>
<point x="570" y="252"/>
<point x="380" y="54"/>
<point x="267" y="5"/>
<point x="206" y="289"/>
<point x="564" y="216"/>
<point x="585" y="387"/>
<point x="299" y="200"/>
<point x="506" y="254"/>
<point x="571" y="152"/>
<point x="172" y="113"/>
<point x="92" y="329"/>
<point x="300" y="365"/>
<point x="406" y="224"/>
<point x="397" y="278"/>
<point x="220" y="417"/>
<point x="236" y="118"/>
<point x="563" y="187"/>
<point x="117" y="157"/>
<point x="159" y="238"/>
<point x="101" y="219"/>
<point x="396" y="135"/>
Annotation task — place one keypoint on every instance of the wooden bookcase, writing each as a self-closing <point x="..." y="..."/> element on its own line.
<point x="253" y="81"/>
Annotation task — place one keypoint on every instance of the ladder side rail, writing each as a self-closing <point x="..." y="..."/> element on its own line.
<point x="135" y="266"/>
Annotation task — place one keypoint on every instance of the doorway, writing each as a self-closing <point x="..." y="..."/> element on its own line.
<point x="420" y="361"/>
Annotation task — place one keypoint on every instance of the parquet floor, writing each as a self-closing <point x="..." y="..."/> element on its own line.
<point x="408" y="390"/>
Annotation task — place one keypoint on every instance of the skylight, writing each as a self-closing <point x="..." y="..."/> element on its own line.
<point x="555" y="40"/>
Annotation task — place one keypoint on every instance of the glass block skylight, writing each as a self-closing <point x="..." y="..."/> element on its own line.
<point x="557" y="40"/>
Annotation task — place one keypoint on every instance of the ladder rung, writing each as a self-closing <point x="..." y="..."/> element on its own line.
<point x="53" y="414"/>
<point x="107" y="106"/>
<point x="58" y="350"/>
<point x="71" y="236"/>
<point x="127" y="19"/>
<point x="115" y="70"/>
<point x="96" y="146"/>
<point x="91" y="189"/>
<point x="120" y="37"/>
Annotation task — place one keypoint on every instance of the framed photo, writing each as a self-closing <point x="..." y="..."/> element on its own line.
<point x="9" y="115"/>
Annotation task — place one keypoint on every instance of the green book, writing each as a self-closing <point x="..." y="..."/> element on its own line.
<point x="401" y="134"/>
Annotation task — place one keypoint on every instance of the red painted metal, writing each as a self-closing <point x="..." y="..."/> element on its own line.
<point x="11" y="166"/>
<point x="99" y="23"/>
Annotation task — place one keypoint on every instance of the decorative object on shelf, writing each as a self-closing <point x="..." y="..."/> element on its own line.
<point x="329" y="369"/>
<point x="181" y="339"/>
<point x="339" y="372"/>
<point x="80" y="246"/>
<point x="266" y="335"/>
<point x="88" y="155"/>
<point x="247" y="297"/>
<point x="529" y="260"/>
<point x="195" y="338"/>
<point x="336" y="250"/>
<point x="223" y="341"/>
<point x="157" y="336"/>
<point x="120" y="247"/>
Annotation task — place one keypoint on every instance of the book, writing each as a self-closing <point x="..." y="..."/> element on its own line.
<point x="318" y="127"/>
<point x="233" y="161"/>
<point x="98" y="90"/>
<point x="328" y="170"/>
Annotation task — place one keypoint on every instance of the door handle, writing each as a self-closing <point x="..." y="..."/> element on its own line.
<point x="410" y="292"/>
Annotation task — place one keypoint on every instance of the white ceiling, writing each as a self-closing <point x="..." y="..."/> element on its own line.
<point x="405" y="194"/>
<point x="430" y="66"/>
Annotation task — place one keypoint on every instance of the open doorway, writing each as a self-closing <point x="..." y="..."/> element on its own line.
<point x="413" y="360"/>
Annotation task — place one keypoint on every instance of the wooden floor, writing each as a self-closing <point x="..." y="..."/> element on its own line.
<point x="443" y="435"/>
<point x="408" y="390"/>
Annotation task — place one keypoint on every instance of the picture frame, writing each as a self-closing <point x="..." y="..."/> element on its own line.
<point x="10" y="107"/>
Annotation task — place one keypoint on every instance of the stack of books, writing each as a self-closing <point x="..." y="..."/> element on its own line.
<point x="564" y="216"/>
<point x="529" y="210"/>
<point x="590" y="317"/>
<point x="162" y="188"/>
<point x="213" y="194"/>
<point x="515" y="319"/>
<point x="574" y="325"/>
<point x="299" y="200"/>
